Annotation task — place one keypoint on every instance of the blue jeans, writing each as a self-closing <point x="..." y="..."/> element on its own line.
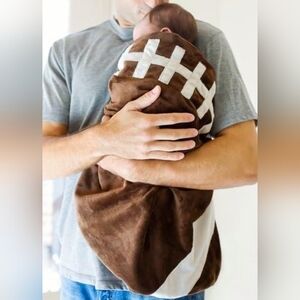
<point x="71" y="290"/>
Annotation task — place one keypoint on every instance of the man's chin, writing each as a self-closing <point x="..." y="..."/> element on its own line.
<point x="140" y="14"/>
<point x="143" y="10"/>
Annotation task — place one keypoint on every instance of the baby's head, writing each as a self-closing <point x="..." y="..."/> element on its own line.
<point x="168" y="17"/>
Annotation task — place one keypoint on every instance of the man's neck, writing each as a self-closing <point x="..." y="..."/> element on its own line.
<point x="122" y="22"/>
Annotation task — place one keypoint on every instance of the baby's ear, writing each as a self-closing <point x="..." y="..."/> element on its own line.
<point x="166" y="29"/>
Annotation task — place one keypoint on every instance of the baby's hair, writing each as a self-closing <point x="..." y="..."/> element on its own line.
<point x="177" y="19"/>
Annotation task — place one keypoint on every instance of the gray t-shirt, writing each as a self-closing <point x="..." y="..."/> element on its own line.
<point x="75" y="92"/>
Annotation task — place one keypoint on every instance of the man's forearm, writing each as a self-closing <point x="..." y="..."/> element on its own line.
<point x="63" y="156"/>
<point x="130" y="134"/>
<point x="224" y="162"/>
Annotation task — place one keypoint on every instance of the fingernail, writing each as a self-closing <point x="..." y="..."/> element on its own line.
<point x="195" y="132"/>
<point x="156" y="90"/>
<point x="181" y="156"/>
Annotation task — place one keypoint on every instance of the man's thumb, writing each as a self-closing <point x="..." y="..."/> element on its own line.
<point x="145" y="100"/>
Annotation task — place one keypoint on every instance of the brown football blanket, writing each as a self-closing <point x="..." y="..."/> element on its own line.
<point x="161" y="241"/>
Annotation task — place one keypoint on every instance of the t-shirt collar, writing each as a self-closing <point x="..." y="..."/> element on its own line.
<point x="126" y="34"/>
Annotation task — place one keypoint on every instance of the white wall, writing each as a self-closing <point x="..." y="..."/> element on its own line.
<point x="236" y="209"/>
<point x="55" y="22"/>
<point x="88" y="13"/>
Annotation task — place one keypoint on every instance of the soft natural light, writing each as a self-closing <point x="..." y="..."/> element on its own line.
<point x="55" y="26"/>
<point x="55" y="22"/>
<point x="238" y="22"/>
<point x="51" y="281"/>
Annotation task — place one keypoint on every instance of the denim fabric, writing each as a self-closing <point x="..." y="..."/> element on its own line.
<point x="71" y="290"/>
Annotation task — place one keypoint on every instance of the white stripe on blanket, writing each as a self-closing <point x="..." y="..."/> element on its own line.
<point x="183" y="278"/>
<point x="171" y="66"/>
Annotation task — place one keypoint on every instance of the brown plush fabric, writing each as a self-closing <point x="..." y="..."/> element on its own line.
<point x="139" y="231"/>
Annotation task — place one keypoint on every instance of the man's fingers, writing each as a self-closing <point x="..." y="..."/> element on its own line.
<point x="171" y="146"/>
<point x="170" y="118"/>
<point x="166" y="134"/>
<point x="173" y="156"/>
<point x="145" y="100"/>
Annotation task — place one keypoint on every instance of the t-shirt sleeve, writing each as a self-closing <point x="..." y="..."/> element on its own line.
<point x="56" y="95"/>
<point x="232" y="104"/>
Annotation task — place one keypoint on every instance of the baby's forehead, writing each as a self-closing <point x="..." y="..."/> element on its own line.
<point x="144" y="20"/>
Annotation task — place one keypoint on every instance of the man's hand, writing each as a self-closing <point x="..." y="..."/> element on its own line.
<point x="227" y="161"/>
<point x="119" y="166"/>
<point x="129" y="134"/>
<point x="132" y="134"/>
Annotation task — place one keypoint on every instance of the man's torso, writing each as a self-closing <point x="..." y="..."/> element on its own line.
<point x="89" y="60"/>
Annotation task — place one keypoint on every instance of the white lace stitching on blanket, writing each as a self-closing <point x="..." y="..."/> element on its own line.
<point x="171" y="66"/>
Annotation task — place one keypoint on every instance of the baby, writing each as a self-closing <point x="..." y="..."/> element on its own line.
<point x="168" y="18"/>
<point x="160" y="240"/>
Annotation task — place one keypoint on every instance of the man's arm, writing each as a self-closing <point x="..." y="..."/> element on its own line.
<point x="63" y="154"/>
<point x="129" y="133"/>
<point x="227" y="161"/>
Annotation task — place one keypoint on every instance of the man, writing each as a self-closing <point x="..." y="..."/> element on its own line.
<point x="132" y="144"/>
